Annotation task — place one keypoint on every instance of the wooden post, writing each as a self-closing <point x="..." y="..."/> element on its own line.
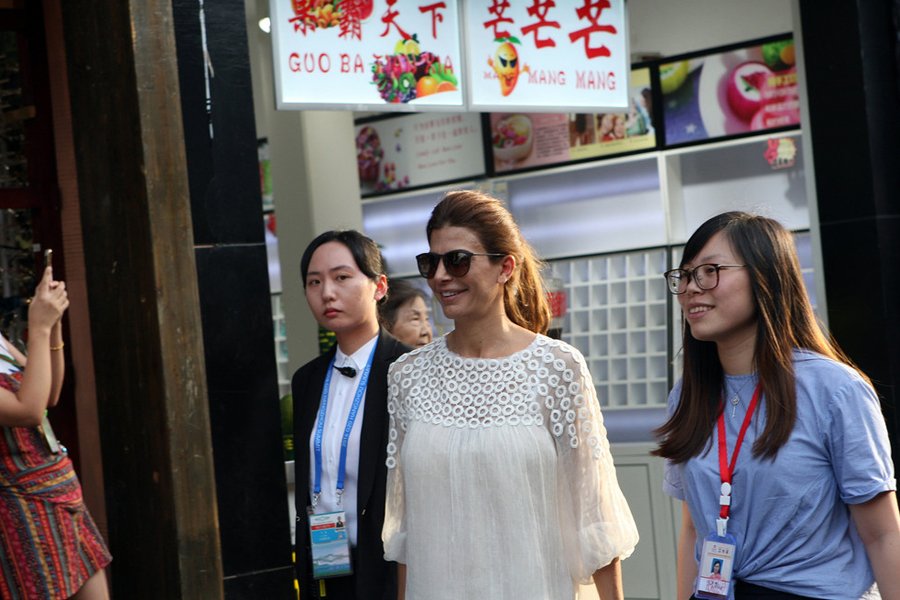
<point x="144" y="306"/>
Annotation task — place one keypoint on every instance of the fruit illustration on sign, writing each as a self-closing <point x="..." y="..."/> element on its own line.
<point x="365" y="9"/>
<point x="673" y="75"/>
<point x="318" y="13"/>
<point x="411" y="73"/>
<point x="779" y="55"/>
<point x="763" y="97"/>
<point x="507" y="65"/>
<point x="744" y="89"/>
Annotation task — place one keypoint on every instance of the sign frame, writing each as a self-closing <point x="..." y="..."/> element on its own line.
<point x="278" y="11"/>
<point x="471" y="73"/>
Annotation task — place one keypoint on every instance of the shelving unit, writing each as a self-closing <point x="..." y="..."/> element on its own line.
<point x="617" y="319"/>
<point x="281" y="349"/>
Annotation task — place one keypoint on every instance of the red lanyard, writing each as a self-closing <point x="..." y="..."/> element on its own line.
<point x="726" y="471"/>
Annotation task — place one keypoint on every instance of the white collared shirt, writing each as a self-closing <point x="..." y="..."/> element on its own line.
<point x="340" y="398"/>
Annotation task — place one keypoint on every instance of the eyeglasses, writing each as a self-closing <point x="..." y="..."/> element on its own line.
<point x="456" y="262"/>
<point x="705" y="276"/>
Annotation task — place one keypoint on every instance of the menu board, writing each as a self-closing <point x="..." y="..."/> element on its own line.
<point x="730" y="93"/>
<point x="381" y="55"/>
<point x="526" y="140"/>
<point x="418" y="150"/>
<point x="547" y="56"/>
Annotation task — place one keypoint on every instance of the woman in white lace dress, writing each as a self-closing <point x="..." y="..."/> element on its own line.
<point x="500" y="483"/>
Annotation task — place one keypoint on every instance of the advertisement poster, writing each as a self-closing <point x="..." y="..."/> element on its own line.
<point x="418" y="150"/>
<point x="730" y="93"/>
<point x="547" y="56"/>
<point x="382" y="55"/>
<point x="525" y="140"/>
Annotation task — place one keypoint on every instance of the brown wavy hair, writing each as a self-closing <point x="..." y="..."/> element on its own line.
<point x="523" y="295"/>
<point x="785" y="321"/>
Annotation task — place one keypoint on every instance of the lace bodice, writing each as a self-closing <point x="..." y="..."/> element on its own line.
<point x="538" y="385"/>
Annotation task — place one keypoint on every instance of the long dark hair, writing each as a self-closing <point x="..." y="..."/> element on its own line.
<point x="523" y="295"/>
<point x="785" y="321"/>
<point x="365" y="252"/>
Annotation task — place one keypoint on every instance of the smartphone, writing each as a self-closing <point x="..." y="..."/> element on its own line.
<point x="48" y="257"/>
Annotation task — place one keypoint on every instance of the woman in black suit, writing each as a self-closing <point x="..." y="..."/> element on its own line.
<point x="344" y="277"/>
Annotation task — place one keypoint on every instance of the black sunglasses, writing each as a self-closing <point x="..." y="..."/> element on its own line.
<point x="456" y="262"/>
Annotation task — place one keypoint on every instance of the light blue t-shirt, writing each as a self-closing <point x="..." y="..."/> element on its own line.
<point x="790" y="517"/>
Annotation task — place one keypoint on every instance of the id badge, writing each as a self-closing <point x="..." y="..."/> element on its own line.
<point x="49" y="437"/>
<point x="716" y="564"/>
<point x="329" y="545"/>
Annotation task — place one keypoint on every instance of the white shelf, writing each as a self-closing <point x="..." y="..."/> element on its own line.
<point x="616" y="317"/>
<point x="281" y="347"/>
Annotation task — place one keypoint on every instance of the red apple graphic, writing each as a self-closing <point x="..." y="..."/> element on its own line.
<point x="365" y="9"/>
<point x="744" y="89"/>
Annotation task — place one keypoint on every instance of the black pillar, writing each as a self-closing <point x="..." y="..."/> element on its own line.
<point x="143" y="299"/>
<point x="226" y="207"/>
<point x="852" y="58"/>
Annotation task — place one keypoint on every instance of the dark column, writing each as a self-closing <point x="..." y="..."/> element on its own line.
<point x="851" y="51"/>
<point x="226" y="204"/>
<point x="144" y="304"/>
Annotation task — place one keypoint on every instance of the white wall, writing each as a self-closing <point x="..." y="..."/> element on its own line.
<point x="680" y="26"/>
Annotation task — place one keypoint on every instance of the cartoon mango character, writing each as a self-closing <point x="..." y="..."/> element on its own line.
<point x="506" y="65"/>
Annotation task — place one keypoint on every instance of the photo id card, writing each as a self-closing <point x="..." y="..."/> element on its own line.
<point x="330" y="545"/>
<point x="716" y="563"/>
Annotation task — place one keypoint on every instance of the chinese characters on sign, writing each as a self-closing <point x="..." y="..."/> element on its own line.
<point x="542" y="55"/>
<point x="367" y="54"/>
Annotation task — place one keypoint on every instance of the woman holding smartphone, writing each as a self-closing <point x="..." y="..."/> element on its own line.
<point x="49" y="545"/>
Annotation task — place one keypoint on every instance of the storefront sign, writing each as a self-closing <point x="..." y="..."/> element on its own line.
<point x="730" y="93"/>
<point x="418" y="150"/>
<point x="544" y="56"/>
<point x="525" y="140"/>
<point x="367" y="54"/>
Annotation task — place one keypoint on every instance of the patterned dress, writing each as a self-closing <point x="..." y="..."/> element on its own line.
<point x="49" y="545"/>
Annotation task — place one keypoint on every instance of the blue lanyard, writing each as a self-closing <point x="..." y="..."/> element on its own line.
<point x="345" y="441"/>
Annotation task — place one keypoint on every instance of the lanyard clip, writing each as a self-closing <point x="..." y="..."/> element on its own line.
<point x="725" y="494"/>
<point x="722" y="526"/>
<point x="340" y="493"/>
<point x="315" y="499"/>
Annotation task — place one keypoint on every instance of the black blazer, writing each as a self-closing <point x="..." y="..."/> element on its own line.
<point x="375" y="578"/>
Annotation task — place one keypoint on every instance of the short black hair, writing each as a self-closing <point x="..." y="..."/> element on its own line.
<point x="364" y="250"/>
<point x="399" y="292"/>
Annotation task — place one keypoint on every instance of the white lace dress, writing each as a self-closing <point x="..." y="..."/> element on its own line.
<point x="500" y="481"/>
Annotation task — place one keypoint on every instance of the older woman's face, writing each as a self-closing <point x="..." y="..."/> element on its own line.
<point x="412" y="325"/>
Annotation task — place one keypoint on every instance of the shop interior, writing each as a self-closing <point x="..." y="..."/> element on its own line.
<point x="170" y="263"/>
<point x="607" y="228"/>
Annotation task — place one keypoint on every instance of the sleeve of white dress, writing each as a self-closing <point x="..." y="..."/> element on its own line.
<point x="394" y="531"/>
<point x="596" y="521"/>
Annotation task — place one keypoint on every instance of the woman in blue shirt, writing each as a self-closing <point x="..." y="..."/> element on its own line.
<point x="808" y="508"/>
